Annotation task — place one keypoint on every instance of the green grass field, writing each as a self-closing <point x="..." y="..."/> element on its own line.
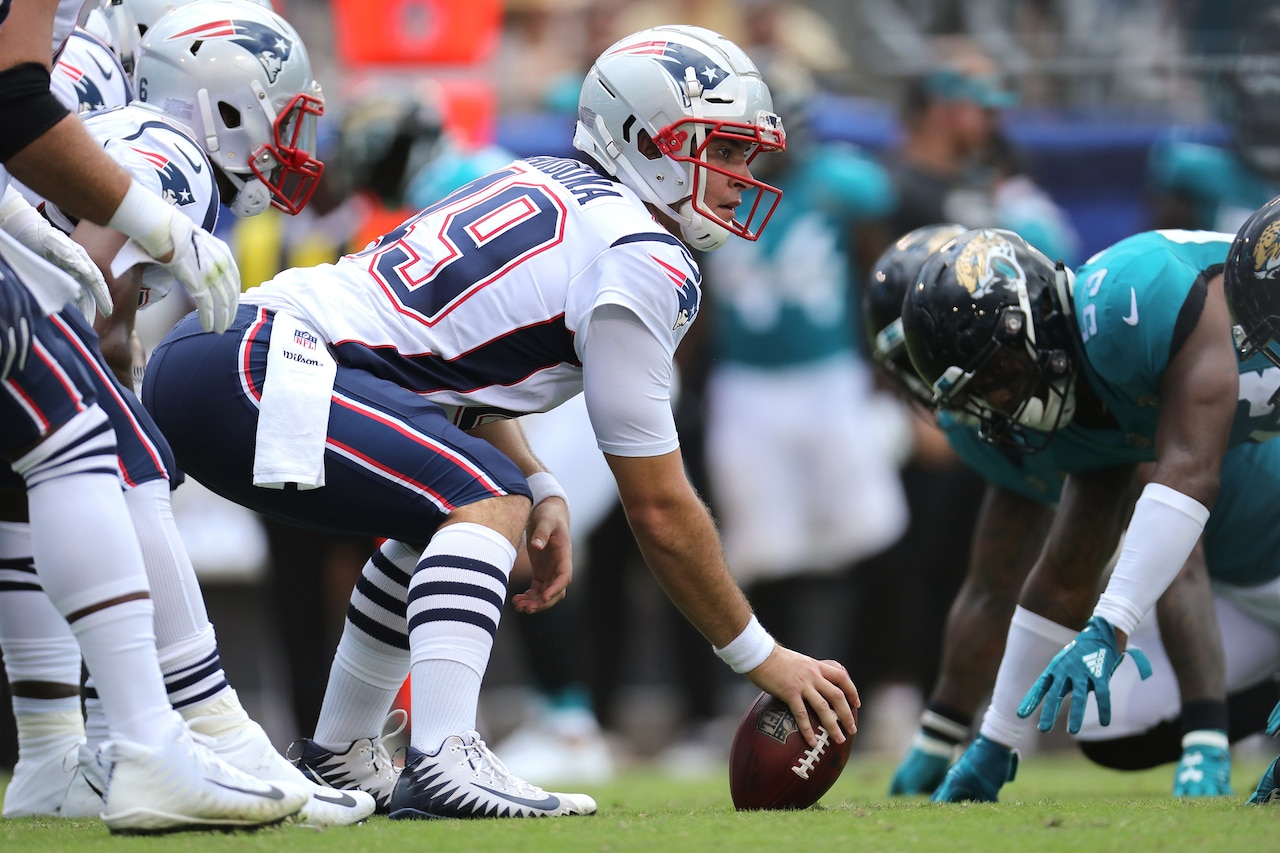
<point x="1056" y="803"/>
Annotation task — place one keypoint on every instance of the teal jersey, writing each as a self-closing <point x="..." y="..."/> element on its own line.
<point x="1241" y="538"/>
<point x="1127" y="301"/>
<point x="1223" y="188"/>
<point x="788" y="298"/>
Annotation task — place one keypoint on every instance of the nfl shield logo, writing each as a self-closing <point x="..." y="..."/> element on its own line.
<point x="304" y="339"/>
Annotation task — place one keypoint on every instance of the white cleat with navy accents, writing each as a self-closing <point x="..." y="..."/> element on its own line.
<point x="464" y="779"/>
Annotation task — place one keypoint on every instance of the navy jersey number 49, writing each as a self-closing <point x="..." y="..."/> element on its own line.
<point x="470" y="238"/>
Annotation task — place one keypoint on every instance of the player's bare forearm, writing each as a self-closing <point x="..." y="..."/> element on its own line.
<point x="1189" y="629"/>
<point x="1092" y="514"/>
<point x="680" y="544"/>
<point x="67" y="167"/>
<point x="1007" y="540"/>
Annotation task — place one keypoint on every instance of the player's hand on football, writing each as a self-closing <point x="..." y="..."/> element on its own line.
<point x="205" y="267"/>
<point x="804" y="684"/>
<point x="550" y="555"/>
<point x="1085" y="666"/>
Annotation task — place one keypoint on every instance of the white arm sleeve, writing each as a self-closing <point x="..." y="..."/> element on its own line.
<point x="1164" y="528"/>
<point x="626" y="381"/>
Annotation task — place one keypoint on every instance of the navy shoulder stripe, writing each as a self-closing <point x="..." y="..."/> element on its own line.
<point x="648" y="237"/>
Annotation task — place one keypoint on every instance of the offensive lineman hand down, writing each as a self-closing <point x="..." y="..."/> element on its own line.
<point x="551" y="556"/>
<point x="1086" y="664"/>
<point x="25" y="224"/>
<point x="825" y="685"/>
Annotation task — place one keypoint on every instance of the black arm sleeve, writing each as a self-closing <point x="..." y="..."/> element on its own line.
<point x="27" y="108"/>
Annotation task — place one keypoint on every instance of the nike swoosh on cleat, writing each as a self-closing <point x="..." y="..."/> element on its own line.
<point x="272" y="792"/>
<point x="337" y="798"/>
<point x="93" y="787"/>
<point x="548" y="802"/>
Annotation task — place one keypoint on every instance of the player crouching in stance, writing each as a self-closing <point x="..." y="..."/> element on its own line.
<point x="378" y="396"/>
<point x="248" y="146"/>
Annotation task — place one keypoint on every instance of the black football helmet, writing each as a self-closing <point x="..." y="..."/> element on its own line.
<point x="1251" y="279"/>
<point x="897" y="268"/>
<point x="988" y="326"/>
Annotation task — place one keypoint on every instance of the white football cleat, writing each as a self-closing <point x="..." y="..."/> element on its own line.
<point x="239" y="741"/>
<point x="88" y="788"/>
<point x="365" y="765"/>
<point x="465" y="779"/>
<point x="44" y="772"/>
<point x="181" y="785"/>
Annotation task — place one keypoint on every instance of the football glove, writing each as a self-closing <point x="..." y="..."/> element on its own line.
<point x="1205" y="767"/>
<point x="25" y="224"/>
<point x="1273" y="721"/>
<point x="923" y="768"/>
<point x="16" y="312"/>
<point x="200" y="262"/>
<point x="1084" y="666"/>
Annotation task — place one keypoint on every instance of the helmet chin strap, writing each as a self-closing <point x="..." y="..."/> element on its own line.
<point x="252" y="196"/>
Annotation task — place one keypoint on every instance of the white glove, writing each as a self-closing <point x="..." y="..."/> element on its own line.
<point x="200" y="262"/>
<point x="15" y="329"/>
<point x="25" y="224"/>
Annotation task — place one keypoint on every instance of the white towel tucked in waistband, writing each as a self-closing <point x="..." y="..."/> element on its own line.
<point x="293" y="418"/>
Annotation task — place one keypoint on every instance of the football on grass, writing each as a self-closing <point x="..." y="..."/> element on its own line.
<point x="770" y="765"/>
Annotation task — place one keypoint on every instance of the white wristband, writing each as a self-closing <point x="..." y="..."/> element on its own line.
<point x="145" y="217"/>
<point x="544" y="486"/>
<point x="749" y="649"/>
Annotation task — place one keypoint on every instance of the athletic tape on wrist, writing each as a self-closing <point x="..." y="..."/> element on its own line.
<point x="544" y="486"/>
<point x="145" y="217"/>
<point x="749" y="649"/>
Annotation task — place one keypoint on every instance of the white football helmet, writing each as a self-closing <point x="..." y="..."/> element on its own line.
<point x="239" y="76"/>
<point x="683" y="86"/>
<point x="112" y="21"/>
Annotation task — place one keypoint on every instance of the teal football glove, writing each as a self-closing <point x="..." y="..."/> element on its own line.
<point x="923" y="768"/>
<point x="1205" y="767"/>
<point x="1273" y="722"/>
<point x="1084" y="666"/>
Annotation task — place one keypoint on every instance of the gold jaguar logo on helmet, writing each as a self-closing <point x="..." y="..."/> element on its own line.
<point x="1266" y="253"/>
<point x="987" y="260"/>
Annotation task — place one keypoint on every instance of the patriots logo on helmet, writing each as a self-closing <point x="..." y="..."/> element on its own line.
<point x="271" y="47"/>
<point x="174" y="186"/>
<point x="988" y="261"/>
<point x="88" y="95"/>
<point x="1266" y="253"/>
<point x="675" y="58"/>
<point x="687" y="294"/>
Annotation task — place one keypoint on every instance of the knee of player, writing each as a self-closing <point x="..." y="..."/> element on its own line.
<point x="507" y="514"/>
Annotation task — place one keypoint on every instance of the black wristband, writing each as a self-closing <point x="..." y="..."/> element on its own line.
<point x="947" y="724"/>
<point x="1204" y="714"/>
<point x="27" y="108"/>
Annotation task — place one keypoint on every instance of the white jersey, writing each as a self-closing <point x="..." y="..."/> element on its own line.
<point x="480" y="303"/>
<point x="88" y="76"/>
<point x="161" y="155"/>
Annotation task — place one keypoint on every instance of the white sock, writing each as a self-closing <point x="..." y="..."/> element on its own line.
<point x="455" y="603"/>
<point x="120" y="652"/>
<point x="47" y="723"/>
<point x="1032" y="643"/>
<point x="180" y="610"/>
<point x="372" y="660"/>
<point x="86" y="554"/>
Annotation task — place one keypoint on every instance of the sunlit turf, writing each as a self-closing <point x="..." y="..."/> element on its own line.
<point x="1058" y="802"/>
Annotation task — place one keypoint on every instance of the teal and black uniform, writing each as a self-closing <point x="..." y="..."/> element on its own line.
<point x="1222" y="188"/>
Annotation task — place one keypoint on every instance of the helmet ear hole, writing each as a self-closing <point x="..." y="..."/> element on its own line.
<point x="230" y="115"/>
